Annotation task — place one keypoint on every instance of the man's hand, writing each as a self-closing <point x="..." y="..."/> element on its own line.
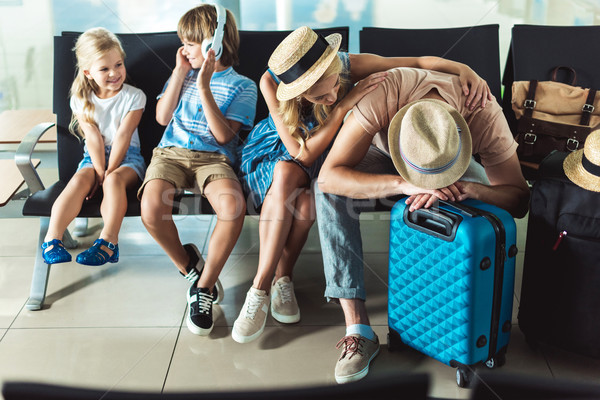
<point x="428" y="198"/>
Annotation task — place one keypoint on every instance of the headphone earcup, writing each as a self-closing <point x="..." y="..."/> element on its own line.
<point x="206" y="45"/>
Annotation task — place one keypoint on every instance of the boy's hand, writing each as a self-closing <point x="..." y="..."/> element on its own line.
<point x="208" y="67"/>
<point x="181" y="62"/>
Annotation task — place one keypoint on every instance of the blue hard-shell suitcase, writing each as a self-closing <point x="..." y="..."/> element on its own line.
<point x="451" y="283"/>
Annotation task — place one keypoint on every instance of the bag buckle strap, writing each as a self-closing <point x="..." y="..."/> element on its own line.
<point x="588" y="108"/>
<point x="530" y="104"/>
<point x="529" y="138"/>
<point x="572" y="144"/>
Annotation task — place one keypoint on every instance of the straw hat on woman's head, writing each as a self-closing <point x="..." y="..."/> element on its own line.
<point x="301" y="59"/>
<point x="430" y="144"/>
<point x="582" y="167"/>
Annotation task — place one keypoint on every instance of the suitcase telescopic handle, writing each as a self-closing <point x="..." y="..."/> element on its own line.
<point x="437" y="222"/>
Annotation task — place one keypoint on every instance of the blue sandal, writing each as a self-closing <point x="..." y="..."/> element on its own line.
<point x="96" y="256"/>
<point x="57" y="254"/>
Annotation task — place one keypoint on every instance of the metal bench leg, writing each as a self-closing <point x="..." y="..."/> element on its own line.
<point x="68" y="240"/>
<point x="81" y="227"/>
<point x="41" y="270"/>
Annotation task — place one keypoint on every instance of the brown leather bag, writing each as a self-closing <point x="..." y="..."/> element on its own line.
<point x="552" y="116"/>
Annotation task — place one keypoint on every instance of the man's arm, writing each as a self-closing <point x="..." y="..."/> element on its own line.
<point x="508" y="188"/>
<point x="339" y="175"/>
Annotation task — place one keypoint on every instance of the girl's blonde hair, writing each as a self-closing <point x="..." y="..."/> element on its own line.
<point x="291" y="110"/>
<point x="200" y="23"/>
<point x="90" y="46"/>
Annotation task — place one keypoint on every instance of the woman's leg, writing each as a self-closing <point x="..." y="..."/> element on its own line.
<point x="276" y="219"/>
<point x="68" y="204"/>
<point x="303" y="219"/>
<point x="227" y="199"/>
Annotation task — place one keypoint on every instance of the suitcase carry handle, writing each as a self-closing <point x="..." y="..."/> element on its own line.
<point x="436" y="222"/>
<point x="469" y="211"/>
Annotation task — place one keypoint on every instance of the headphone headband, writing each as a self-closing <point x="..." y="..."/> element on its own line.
<point x="216" y="42"/>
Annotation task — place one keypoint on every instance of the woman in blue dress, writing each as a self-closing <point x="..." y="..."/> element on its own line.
<point x="309" y="88"/>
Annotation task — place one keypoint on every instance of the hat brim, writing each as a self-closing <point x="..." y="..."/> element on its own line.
<point x="310" y="77"/>
<point x="430" y="181"/>
<point x="577" y="174"/>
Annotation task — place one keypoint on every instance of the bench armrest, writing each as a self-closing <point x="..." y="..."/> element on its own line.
<point x="23" y="156"/>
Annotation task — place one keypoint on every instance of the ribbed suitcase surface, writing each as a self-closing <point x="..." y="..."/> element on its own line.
<point x="447" y="298"/>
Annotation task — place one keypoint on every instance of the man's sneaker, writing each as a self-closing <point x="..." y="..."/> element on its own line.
<point x="251" y="322"/>
<point x="194" y="270"/>
<point x="357" y="354"/>
<point x="199" y="319"/>
<point x="284" y="307"/>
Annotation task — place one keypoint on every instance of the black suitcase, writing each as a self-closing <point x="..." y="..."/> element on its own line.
<point x="560" y="292"/>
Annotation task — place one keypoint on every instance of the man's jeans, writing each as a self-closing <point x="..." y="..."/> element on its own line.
<point x="339" y="232"/>
<point x="339" y="229"/>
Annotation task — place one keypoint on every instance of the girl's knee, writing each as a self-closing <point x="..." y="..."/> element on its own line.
<point x="287" y="177"/>
<point x="83" y="178"/>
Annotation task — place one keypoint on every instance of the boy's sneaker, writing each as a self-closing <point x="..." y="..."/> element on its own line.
<point x="195" y="265"/>
<point x="357" y="353"/>
<point x="251" y="322"/>
<point x="194" y="270"/>
<point x="199" y="319"/>
<point x="284" y="307"/>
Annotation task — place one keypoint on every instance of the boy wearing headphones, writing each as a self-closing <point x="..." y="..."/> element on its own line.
<point x="203" y="105"/>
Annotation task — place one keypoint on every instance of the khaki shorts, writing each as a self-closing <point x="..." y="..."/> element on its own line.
<point x="185" y="168"/>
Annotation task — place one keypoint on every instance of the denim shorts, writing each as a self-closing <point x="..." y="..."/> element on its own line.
<point x="133" y="159"/>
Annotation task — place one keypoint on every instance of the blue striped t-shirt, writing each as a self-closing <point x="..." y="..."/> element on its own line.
<point x="235" y="96"/>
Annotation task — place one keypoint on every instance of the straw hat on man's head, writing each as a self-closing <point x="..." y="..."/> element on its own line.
<point x="582" y="167"/>
<point x="301" y="59"/>
<point x="430" y="143"/>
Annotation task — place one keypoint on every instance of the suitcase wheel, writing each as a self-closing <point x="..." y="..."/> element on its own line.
<point x="463" y="377"/>
<point x="498" y="360"/>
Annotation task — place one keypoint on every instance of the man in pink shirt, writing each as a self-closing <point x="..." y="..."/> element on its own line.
<point x="359" y="166"/>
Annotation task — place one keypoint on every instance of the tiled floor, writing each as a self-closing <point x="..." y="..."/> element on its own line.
<point x="121" y="326"/>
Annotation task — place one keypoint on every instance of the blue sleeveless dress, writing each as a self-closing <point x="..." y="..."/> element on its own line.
<point x="264" y="149"/>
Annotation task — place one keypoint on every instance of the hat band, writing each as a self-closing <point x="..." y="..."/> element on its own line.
<point x="589" y="166"/>
<point x="437" y="170"/>
<point x="306" y="62"/>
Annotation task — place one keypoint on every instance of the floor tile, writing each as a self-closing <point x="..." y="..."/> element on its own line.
<point x="135" y="292"/>
<point x="20" y="236"/>
<point x="282" y="357"/>
<point x="117" y="358"/>
<point x="15" y="279"/>
<point x="570" y="366"/>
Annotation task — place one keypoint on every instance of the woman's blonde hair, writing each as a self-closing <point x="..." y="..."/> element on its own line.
<point x="291" y="110"/>
<point x="200" y="23"/>
<point x="90" y="46"/>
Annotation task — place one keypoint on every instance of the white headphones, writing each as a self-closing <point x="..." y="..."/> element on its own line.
<point x="216" y="42"/>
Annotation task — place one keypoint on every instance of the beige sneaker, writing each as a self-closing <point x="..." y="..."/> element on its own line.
<point x="284" y="307"/>
<point x="251" y="321"/>
<point x="357" y="354"/>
